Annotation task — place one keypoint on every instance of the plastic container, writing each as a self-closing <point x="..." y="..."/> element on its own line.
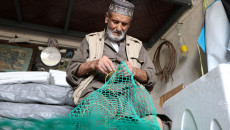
<point x="204" y="104"/>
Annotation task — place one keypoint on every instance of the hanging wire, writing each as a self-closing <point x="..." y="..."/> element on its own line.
<point x="166" y="72"/>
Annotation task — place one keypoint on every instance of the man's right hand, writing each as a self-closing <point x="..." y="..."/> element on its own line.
<point x="104" y="64"/>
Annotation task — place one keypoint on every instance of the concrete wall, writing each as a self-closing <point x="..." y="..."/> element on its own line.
<point x="188" y="68"/>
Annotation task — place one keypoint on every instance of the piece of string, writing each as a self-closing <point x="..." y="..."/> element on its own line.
<point x="205" y="4"/>
<point x="201" y="65"/>
<point x="109" y="74"/>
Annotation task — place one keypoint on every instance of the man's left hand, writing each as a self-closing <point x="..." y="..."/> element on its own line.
<point x="138" y="74"/>
<point x="131" y="68"/>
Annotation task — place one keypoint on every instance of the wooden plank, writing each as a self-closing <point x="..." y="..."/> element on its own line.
<point x="170" y="94"/>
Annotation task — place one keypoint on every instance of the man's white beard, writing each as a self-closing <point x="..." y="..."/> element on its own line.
<point x="113" y="38"/>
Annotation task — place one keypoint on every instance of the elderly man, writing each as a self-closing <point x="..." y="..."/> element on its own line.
<point x="101" y="52"/>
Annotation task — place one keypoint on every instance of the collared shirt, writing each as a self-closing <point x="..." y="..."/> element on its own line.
<point x="115" y="46"/>
<point x="82" y="54"/>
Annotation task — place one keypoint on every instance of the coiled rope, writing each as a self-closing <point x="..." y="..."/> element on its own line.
<point x="170" y="63"/>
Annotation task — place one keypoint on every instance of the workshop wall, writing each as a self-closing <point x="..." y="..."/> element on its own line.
<point x="188" y="67"/>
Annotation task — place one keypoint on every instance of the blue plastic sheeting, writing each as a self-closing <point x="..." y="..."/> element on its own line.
<point x="201" y="39"/>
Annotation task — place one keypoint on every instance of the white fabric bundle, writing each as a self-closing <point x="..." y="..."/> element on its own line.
<point x="217" y="35"/>
<point x="24" y="77"/>
<point x="58" y="78"/>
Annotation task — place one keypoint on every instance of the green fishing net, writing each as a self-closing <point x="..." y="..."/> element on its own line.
<point x="118" y="104"/>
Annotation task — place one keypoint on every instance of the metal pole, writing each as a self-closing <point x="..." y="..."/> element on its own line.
<point x="18" y="10"/>
<point x="70" y="8"/>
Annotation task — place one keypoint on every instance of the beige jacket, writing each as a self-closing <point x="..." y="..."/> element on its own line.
<point x="96" y="46"/>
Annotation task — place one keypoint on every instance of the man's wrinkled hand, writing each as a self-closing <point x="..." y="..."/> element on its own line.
<point x="104" y="64"/>
<point x="131" y="68"/>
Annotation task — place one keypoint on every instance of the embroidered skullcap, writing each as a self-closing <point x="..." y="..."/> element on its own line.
<point x="122" y="7"/>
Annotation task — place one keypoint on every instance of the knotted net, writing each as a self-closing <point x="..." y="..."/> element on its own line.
<point x="118" y="104"/>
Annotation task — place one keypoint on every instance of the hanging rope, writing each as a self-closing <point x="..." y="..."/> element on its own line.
<point x="201" y="65"/>
<point x="170" y="64"/>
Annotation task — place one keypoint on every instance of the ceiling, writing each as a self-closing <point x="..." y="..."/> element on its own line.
<point x="79" y="17"/>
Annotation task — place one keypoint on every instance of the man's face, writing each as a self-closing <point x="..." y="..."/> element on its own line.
<point x="117" y="26"/>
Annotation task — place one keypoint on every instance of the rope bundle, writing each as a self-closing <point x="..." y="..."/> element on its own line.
<point x="170" y="64"/>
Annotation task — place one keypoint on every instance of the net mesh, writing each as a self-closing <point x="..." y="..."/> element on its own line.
<point x="118" y="104"/>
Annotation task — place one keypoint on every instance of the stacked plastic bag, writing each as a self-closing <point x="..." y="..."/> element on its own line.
<point x="24" y="77"/>
<point x="34" y="95"/>
<point x="53" y="77"/>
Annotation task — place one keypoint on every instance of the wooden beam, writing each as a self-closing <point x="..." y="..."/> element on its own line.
<point x="181" y="2"/>
<point x="169" y="22"/>
<point x="41" y="28"/>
